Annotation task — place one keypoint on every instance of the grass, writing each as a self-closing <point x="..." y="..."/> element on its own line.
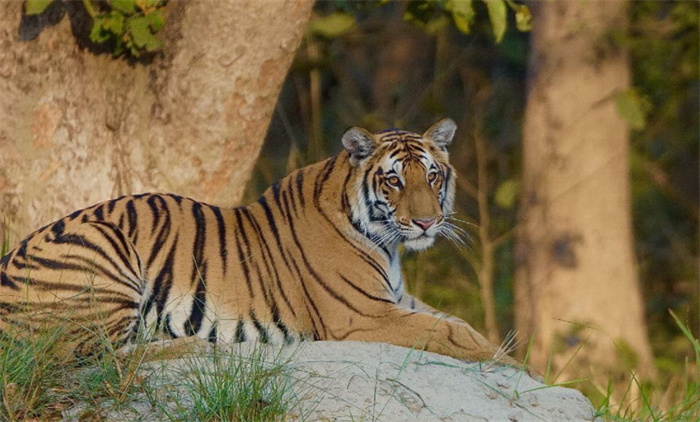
<point x="224" y="385"/>
<point x="30" y="376"/>
<point x="668" y="401"/>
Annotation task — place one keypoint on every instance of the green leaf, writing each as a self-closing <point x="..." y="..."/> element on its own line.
<point x="334" y="25"/>
<point x="462" y="13"/>
<point x="98" y="33"/>
<point x="632" y="108"/>
<point x="150" y="3"/>
<point x="35" y="7"/>
<point x="418" y="12"/>
<point x="126" y="6"/>
<point x="523" y="18"/>
<point x="156" y="20"/>
<point x="114" y="23"/>
<point x="154" y="44"/>
<point x="498" y="13"/>
<point x="140" y="31"/>
<point x="507" y="193"/>
<point x="434" y="26"/>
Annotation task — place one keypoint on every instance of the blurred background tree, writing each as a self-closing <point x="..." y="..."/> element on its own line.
<point x="576" y="284"/>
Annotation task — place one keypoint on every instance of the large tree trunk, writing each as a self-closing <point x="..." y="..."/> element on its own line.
<point x="78" y="127"/>
<point x="576" y="280"/>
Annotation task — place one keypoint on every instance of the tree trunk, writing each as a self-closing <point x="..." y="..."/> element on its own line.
<point x="576" y="283"/>
<point x="77" y="127"/>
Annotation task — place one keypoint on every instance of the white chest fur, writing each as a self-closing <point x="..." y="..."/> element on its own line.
<point x="395" y="279"/>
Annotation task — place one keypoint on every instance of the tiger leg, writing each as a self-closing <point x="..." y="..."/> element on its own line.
<point x="85" y="278"/>
<point x="432" y="332"/>
<point x="411" y="302"/>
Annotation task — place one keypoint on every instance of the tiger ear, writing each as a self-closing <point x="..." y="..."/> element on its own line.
<point x="359" y="143"/>
<point x="441" y="132"/>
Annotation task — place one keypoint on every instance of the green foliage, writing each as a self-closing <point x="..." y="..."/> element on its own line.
<point x="498" y="15"/>
<point x="5" y="246"/>
<point x="36" y="7"/>
<point x="130" y="26"/>
<point x="332" y="26"/>
<point x="226" y="386"/>
<point x="632" y="108"/>
<point x="127" y="26"/>
<point x="29" y="371"/>
<point x="507" y="193"/>
<point x="462" y="13"/>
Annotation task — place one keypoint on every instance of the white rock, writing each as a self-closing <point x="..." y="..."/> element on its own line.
<point x="354" y="381"/>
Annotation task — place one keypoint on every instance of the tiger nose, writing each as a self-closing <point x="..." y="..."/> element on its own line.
<point x="425" y="223"/>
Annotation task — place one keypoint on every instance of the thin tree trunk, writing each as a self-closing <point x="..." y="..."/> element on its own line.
<point x="78" y="127"/>
<point x="486" y="269"/>
<point x="576" y="281"/>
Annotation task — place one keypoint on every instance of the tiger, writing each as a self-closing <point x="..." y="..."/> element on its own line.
<point x="316" y="257"/>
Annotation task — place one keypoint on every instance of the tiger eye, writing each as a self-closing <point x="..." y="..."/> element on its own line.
<point x="394" y="181"/>
<point x="432" y="177"/>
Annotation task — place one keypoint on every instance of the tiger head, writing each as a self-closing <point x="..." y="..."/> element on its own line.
<point x="404" y="184"/>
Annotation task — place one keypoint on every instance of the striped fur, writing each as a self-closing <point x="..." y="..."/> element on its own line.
<point x="314" y="258"/>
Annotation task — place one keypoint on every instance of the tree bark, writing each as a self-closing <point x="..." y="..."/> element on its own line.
<point x="576" y="281"/>
<point x="77" y="127"/>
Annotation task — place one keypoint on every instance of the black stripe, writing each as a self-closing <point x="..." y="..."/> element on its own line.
<point x="6" y="282"/>
<point x="74" y="215"/>
<point x="54" y="286"/>
<point x="223" y="252"/>
<point x="308" y="300"/>
<point x="199" y="268"/>
<point x="154" y="210"/>
<point x="300" y="186"/>
<point x="122" y="278"/>
<point x="243" y="258"/>
<point x="264" y="335"/>
<point x="163" y="235"/>
<point x="323" y="177"/>
<point x="22" y="251"/>
<point x="194" y="322"/>
<point x="122" y="254"/>
<point x="162" y="284"/>
<point x="132" y="217"/>
<point x="256" y="267"/>
<point x="364" y="293"/>
<point x="291" y="200"/>
<point x="213" y="334"/>
<point x="73" y="239"/>
<point x="99" y="213"/>
<point x="58" y="227"/>
<point x="167" y="328"/>
<point x="112" y="203"/>
<point x="240" y="332"/>
<point x="177" y="198"/>
<point x="278" y="322"/>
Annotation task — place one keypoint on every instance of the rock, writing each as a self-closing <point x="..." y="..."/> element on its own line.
<point x="354" y="381"/>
